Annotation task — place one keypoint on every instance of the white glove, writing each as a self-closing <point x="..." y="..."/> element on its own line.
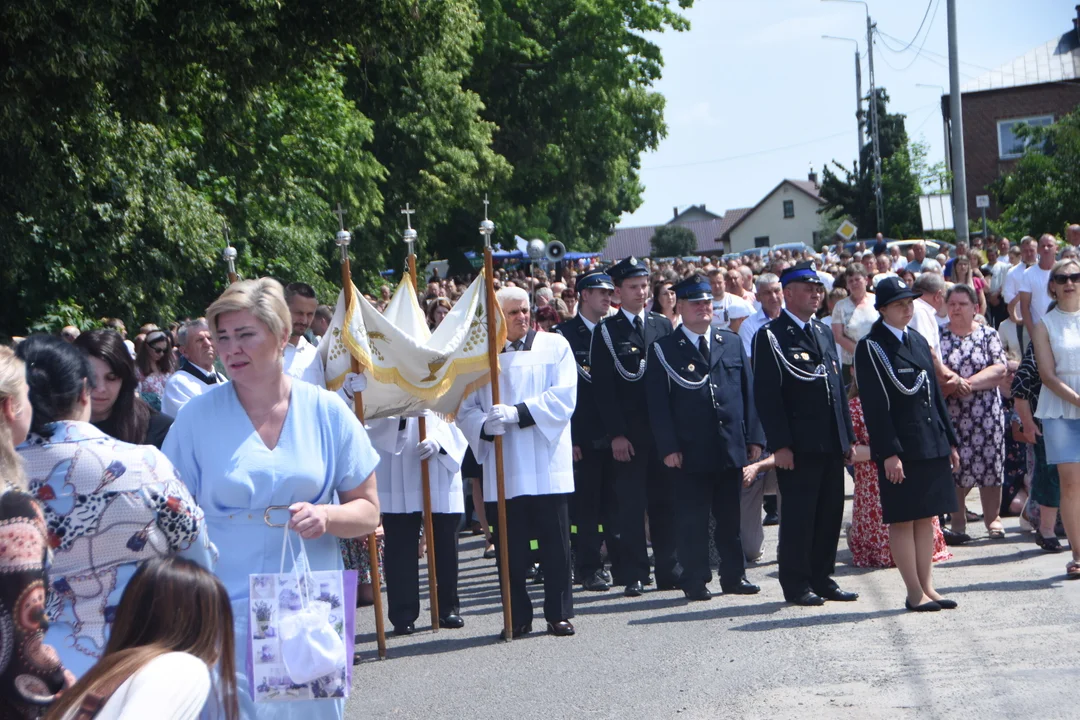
<point x="508" y="414"/>
<point x="427" y="447"/>
<point x="494" y="425"/>
<point x="354" y="383"/>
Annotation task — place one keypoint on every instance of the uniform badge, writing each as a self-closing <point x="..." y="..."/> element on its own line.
<point x="690" y="367"/>
<point x="633" y="349"/>
<point x="585" y="368"/>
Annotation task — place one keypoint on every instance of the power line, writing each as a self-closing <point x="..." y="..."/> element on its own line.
<point x="747" y="155"/>
<point x="927" y="12"/>
<point x="918" y="53"/>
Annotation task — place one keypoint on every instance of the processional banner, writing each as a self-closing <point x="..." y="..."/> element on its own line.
<point x="409" y="368"/>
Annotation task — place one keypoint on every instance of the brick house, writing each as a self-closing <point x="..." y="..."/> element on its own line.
<point x="1036" y="88"/>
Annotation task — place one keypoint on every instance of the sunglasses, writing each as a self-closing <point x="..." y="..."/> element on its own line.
<point x="1062" y="278"/>
<point x="157" y="349"/>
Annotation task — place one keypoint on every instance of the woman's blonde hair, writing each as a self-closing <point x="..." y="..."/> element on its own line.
<point x="264" y="298"/>
<point x="12" y="381"/>
<point x="1058" y="266"/>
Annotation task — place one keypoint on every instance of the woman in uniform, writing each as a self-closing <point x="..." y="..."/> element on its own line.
<point x="912" y="441"/>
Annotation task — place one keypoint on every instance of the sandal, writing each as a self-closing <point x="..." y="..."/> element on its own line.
<point x="1072" y="570"/>
<point x="1048" y="544"/>
<point x="996" y="533"/>
<point x="973" y="516"/>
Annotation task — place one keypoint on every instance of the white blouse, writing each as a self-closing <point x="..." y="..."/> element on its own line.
<point x="173" y="686"/>
<point x="1064" y="330"/>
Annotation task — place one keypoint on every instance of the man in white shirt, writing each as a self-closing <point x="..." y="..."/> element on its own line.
<point x="882" y="270"/>
<point x="1010" y="289"/>
<point x="538" y="386"/>
<point x="924" y="320"/>
<point x="1034" y="291"/>
<point x="728" y="311"/>
<point x="771" y="296"/>
<point x="899" y="262"/>
<point x="196" y="374"/>
<point x="995" y="269"/>
<point x="302" y="359"/>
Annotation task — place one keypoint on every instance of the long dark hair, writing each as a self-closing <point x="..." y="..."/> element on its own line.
<point x="57" y="373"/>
<point x="170" y="604"/>
<point x="145" y="362"/>
<point x="130" y="415"/>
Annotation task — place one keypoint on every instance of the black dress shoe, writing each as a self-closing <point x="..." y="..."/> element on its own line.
<point x="563" y="628"/>
<point x="925" y="607"/>
<point x="697" y="593"/>
<point x="808" y="599"/>
<point x="838" y="595"/>
<point x="955" y="538"/>
<point x="634" y="589"/>
<point x="518" y="631"/>
<point x="771" y="519"/>
<point x="595" y="583"/>
<point x="742" y="587"/>
<point x="405" y="629"/>
<point x="947" y="604"/>
<point x="538" y="578"/>
<point x="453" y="621"/>
<point x="666" y="586"/>
<point x="606" y="574"/>
<point x="530" y="572"/>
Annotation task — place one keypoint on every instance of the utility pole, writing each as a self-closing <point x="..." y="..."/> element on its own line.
<point x="959" y="189"/>
<point x="858" y="92"/>
<point x="879" y="201"/>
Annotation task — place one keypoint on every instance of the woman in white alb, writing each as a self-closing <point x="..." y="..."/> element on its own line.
<point x="1056" y="338"/>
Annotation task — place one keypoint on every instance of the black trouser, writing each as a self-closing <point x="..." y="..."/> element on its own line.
<point x="810" y="525"/>
<point x="593" y="505"/>
<point x="403" y="567"/>
<point x="643" y="485"/>
<point x="545" y="519"/>
<point x="695" y="495"/>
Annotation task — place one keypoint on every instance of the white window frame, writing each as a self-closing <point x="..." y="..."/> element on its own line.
<point x="1013" y="121"/>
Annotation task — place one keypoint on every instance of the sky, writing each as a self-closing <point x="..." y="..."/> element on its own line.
<point x="755" y="95"/>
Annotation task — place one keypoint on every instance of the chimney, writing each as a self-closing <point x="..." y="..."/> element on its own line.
<point x="812" y="176"/>
<point x="1076" y="22"/>
<point x="703" y="206"/>
<point x="675" y="210"/>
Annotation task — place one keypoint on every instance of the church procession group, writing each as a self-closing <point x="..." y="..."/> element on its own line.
<point x="630" y="453"/>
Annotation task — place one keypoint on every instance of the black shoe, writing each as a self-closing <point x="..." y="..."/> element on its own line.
<point x="518" y="631"/>
<point x="573" y="576"/>
<point x="947" y="604"/>
<point x="595" y="583"/>
<point x="634" y="589"/>
<point x="955" y="538"/>
<point x="453" y="621"/>
<point x="742" y="587"/>
<point x="838" y="595"/>
<point x="563" y="628"/>
<point x="538" y="578"/>
<point x="489" y="554"/>
<point x="808" y="599"/>
<point x="530" y="573"/>
<point x="665" y="587"/>
<point x="1048" y="544"/>
<point x="606" y="575"/>
<point x="697" y="593"/>
<point x="771" y="519"/>
<point x="405" y="629"/>
<point x="925" y="607"/>
<point x="647" y="580"/>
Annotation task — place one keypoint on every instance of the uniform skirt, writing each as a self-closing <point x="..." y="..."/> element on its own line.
<point x="927" y="490"/>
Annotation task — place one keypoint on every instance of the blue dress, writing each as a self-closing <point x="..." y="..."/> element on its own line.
<point x="323" y="450"/>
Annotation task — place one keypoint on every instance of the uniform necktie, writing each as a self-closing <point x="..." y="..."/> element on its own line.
<point x="637" y="325"/>
<point x="703" y="347"/>
<point x="905" y="340"/>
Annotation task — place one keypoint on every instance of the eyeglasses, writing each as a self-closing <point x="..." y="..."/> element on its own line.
<point x="1062" y="278"/>
<point x="158" y="350"/>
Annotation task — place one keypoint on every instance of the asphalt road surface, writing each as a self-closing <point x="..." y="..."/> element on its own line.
<point x="1011" y="650"/>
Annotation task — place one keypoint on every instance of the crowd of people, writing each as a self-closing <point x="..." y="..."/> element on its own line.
<point x="655" y="416"/>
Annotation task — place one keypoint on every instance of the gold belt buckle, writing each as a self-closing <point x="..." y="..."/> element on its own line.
<point x="266" y="515"/>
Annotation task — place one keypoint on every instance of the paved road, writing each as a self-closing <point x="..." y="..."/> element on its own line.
<point x="1012" y="650"/>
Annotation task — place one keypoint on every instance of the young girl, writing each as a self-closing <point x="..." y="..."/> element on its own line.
<point x="174" y="623"/>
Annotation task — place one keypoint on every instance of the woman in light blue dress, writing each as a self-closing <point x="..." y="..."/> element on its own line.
<point x="265" y="441"/>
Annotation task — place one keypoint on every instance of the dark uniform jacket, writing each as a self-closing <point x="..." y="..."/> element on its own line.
<point x="587" y="425"/>
<point x="915" y="426"/>
<point x="711" y="424"/>
<point x="804" y="416"/>
<point x="622" y="402"/>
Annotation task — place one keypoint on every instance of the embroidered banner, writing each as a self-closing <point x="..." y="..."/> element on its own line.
<point x="408" y="367"/>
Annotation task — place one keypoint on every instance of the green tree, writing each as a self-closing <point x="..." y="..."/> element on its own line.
<point x="673" y="241"/>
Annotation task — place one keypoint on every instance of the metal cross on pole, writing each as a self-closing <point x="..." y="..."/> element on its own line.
<point x="229" y="254"/>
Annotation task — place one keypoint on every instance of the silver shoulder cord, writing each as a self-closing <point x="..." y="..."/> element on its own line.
<point x="679" y="379"/>
<point x="819" y="373"/>
<point x="628" y="376"/>
<point x="883" y="361"/>
<point x="580" y="370"/>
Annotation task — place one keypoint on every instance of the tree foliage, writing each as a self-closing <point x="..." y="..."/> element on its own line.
<point x="673" y="241"/>
<point x="130" y="133"/>
<point x="850" y="191"/>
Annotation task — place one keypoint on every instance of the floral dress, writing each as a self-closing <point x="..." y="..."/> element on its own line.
<point x="152" y="387"/>
<point x="868" y="537"/>
<point x="979" y="418"/>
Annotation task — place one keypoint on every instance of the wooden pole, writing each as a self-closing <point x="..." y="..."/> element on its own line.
<point x="425" y="481"/>
<point x="500" y="484"/>
<point x="358" y="408"/>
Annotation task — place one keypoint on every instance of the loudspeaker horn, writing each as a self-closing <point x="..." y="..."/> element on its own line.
<point x="555" y="251"/>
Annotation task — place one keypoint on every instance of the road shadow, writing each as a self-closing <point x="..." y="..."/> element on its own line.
<point x="985" y="560"/>
<point x="1047" y="583"/>
<point x="438" y="644"/>
<point x="816" y="620"/>
<point x="712" y="612"/>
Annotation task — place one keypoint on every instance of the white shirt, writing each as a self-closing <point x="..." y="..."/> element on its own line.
<point x="538" y="460"/>
<point x="1011" y="286"/>
<point x="589" y="324"/>
<point x="750" y="327"/>
<point x="798" y="320"/>
<point x="173" y="686"/>
<point x="998" y="271"/>
<point x="899" y="263"/>
<point x="302" y="362"/>
<point x="895" y="331"/>
<point x="181" y="387"/>
<point x="924" y="321"/>
<point x="694" y="337"/>
<point x="728" y="308"/>
<point x="630" y="316"/>
<point x="1035" y="282"/>
<point x="400" y="486"/>
<point x="881" y="276"/>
